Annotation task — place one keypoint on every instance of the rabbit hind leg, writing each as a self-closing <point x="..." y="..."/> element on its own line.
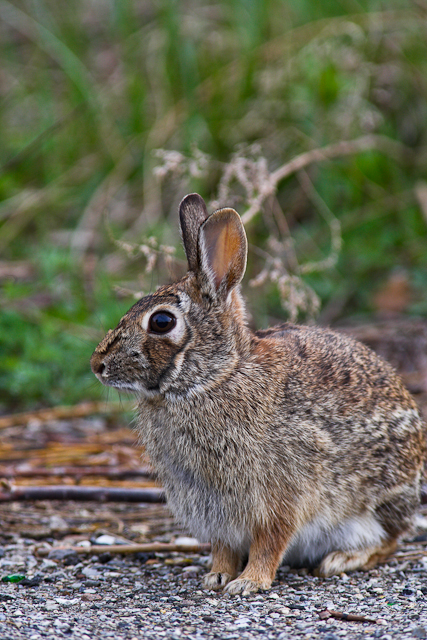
<point x="393" y="517"/>
<point x="358" y="559"/>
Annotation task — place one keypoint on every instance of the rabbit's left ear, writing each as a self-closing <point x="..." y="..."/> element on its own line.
<point x="192" y="213"/>
<point x="222" y="250"/>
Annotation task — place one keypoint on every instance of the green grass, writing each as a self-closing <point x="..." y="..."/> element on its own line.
<point x="89" y="90"/>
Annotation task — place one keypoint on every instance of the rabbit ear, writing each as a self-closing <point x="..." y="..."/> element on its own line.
<point x="192" y="213"/>
<point x="222" y="250"/>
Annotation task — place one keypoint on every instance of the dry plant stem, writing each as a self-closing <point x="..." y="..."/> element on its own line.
<point x="285" y="232"/>
<point x="152" y="251"/>
<point x="409" y="555"/>
<point x="349" y="617"/>
<point x="332" y="221"/>
<point x="111" y="473"/>
<point x="65" y="413"/>
<point x="405" y="558"/>
<point x="150" y="547"/>
<point x="98" y="494"/>
<point x="336" y="150"/>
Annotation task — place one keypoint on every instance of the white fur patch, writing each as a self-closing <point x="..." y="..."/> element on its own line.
<point x="316" y="539"/>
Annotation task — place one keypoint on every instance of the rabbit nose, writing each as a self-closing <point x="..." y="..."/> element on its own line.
<point x="101" y="368"/>
<point x="97" y="365"/>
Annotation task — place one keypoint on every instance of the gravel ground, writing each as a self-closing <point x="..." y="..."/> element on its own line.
<point x="159" y="595"/>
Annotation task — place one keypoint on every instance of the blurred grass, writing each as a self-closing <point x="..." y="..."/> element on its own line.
<point x="89" y="90"/>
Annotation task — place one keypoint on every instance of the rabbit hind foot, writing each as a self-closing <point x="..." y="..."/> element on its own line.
<point x="358" y="559"/>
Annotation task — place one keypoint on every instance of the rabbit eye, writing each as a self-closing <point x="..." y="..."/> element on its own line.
<point x="161" y="322"/>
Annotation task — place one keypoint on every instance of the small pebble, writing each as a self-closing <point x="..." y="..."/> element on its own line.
<point x="105" y="539"/>
<point x="186" y="541"/>
<point x="192" y="571"/>
<point x="208" y="618"/>
<point x="91" y="573"/>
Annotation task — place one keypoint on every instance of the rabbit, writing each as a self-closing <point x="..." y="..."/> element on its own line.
<point x="293" y="444"/>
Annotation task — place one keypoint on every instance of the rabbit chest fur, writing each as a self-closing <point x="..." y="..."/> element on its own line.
<point x="293" y="442"/>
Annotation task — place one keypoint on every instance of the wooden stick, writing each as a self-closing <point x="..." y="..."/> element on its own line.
<point x="64" y="413"/>
<point x="115" y="473"/>
<point x="340" y="615"/>
<point x="405" y="555"/>
<point x="148" y="547"/>
<point x="99" y="494"/>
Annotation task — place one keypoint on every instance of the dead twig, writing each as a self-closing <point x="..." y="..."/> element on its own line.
<point x="149" y="547"/>
<point x="415" y="554"/>
<point x="99" y="494"/>
<point x="64" y="413"/>
<point x="335" y="150"/>
<point x="340" y="615"/>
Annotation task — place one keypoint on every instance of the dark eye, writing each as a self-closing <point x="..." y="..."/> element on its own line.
<point x="161" y="322"/>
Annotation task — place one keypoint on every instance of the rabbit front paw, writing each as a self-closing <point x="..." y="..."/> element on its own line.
<point x="244" y="587"/>
<point x="216" y="580"/>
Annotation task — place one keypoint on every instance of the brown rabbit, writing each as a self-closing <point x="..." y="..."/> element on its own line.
<point x="295" y="442"/>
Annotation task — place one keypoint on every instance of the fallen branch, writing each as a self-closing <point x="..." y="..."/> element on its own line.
<point x="64" y="413"/>
<point x="112" y="473"/>
<point x="149" y="547"/>
<point x="340" y="615"/>
<point x="408" y="555"/>
<point x="99" y="494"/>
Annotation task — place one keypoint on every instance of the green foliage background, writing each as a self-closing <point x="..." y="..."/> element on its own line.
<point x="91" y="88"/>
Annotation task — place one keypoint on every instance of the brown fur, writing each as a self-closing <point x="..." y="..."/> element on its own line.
<point x="293" y="442"/>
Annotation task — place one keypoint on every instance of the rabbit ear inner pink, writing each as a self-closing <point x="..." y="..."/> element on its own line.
<point x="223" y="249"/>
<point x="192" y="213"/>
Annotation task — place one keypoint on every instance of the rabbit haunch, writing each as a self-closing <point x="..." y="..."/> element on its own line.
<point x="294" y="442"/>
